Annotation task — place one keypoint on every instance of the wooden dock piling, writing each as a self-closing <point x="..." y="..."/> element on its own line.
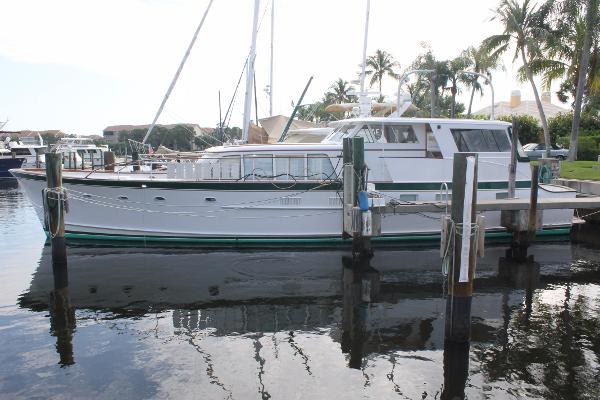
<point x="135" y="159"/>
<point x="109" y="161"/>
<point x="354" y="182"/>
<point x="62" y="315"/>
<point x="462" y="268"/>
<point x="54" y="208"/>
<point x="456" y="370"/>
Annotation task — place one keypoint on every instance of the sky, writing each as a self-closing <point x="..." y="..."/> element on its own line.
<point x="80" y="66"/>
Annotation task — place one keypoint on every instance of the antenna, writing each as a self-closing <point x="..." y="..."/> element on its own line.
<point x="364" y="100"/>
<point x="271" y="75"/>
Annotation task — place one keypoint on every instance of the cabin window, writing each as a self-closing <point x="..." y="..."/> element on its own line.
<point x="371" y="133"/>
<point x="289" y="168"/>
<point x="21" y="152"/>
<point x="341" y="131"/>
<point x="400" y="134"/>
<point x="433" y="148"/>
<point x="481" y="140"/>
<point x="258" y="166"/>
<point x="207" y="165"/>
<point x="408" y="197"/>
<point x="230" y="167"/>
<point x="319" y="167"/>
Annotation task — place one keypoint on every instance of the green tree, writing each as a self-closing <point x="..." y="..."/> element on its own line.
<point x="378" y="66"/>
<point x="529" y="127"/>
<point x="339" y="92"/>
<point x="455" y="66"/>
<point x="525" y="27"/>
<point x="590" y="20"/>
<point x="430" y="91"/>
<point x="482" y="62"/>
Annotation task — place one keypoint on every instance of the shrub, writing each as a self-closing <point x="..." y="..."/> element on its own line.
<point x="530" y="129"/>
<point x="588" y="147"/>
<point x="561" y="124"/>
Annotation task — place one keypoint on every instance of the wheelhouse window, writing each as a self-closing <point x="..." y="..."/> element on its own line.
<point x="341" y="131"/>
<point x="433" y="148"/>
<point x="319" y="167"/>
<point x="258" y="166"/>
<point x="400" y="134"/>
<point x="370" y="132"/>
<point x="481" y="140"/>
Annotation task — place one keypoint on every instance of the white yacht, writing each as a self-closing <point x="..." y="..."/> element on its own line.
<point x="291" y="193"/>
<point x="27" y="151"/>
<point x="80" y="149"/>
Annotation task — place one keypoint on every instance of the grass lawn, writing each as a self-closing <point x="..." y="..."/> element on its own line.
<point x="580" y="170"/>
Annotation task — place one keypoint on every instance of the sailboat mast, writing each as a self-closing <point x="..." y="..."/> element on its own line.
<point x="174" y="81"/>
<point x="364" y="100"/>
<point x="271" y="73"/>
<point x="250" y="76"/>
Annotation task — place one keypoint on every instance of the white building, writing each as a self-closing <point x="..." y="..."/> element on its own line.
<point x="516" y="106"/>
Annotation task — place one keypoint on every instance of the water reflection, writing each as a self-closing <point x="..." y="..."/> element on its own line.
<point x="534" y="329"/>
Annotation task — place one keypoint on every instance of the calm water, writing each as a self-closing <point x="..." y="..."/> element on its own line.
<point x="186" y="324"/>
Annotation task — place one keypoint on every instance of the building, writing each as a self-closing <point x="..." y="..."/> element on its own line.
<point x="27" y="136"/>
<point x="516" y="106"/>
<point x="112" y="134"/>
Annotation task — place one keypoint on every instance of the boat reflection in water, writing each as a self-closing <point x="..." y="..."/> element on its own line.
<point x="534" y="331"/>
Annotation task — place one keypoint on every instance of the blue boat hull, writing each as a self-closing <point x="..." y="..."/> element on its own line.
<point x="9" y="163"/>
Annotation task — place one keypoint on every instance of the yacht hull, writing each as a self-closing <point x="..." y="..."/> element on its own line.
<point x="7" y="164"/>
<point x="243" y="213"/>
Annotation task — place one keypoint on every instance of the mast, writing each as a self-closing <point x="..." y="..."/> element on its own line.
<point x="250" y="76"/>
<point x="174" y="81"/>
<point x="271" y="74"/>
<point x="364" y="100"/>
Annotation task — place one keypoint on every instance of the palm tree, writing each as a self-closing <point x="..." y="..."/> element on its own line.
<point x="456" y="65"/>
<point x="591" y="14"/>
<point x="339" y="92"/>
<point x="525" y="27"/>
<point x="482" y="62"/>
<point x="380" y="65"/>
<point x="567" y="55"/>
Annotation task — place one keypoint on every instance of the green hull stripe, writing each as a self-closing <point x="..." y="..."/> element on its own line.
<point x="259" y="186"/>
<point x="280" y="242"/>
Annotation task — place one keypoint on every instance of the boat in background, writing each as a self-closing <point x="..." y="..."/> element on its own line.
<point x="23" y="153"/>
<point x="80" y="151"/>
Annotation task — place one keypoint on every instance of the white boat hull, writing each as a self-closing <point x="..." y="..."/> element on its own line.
<point x="176" y="210"/>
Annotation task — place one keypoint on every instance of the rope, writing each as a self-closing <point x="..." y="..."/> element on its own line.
<point x="59" y="195"/>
